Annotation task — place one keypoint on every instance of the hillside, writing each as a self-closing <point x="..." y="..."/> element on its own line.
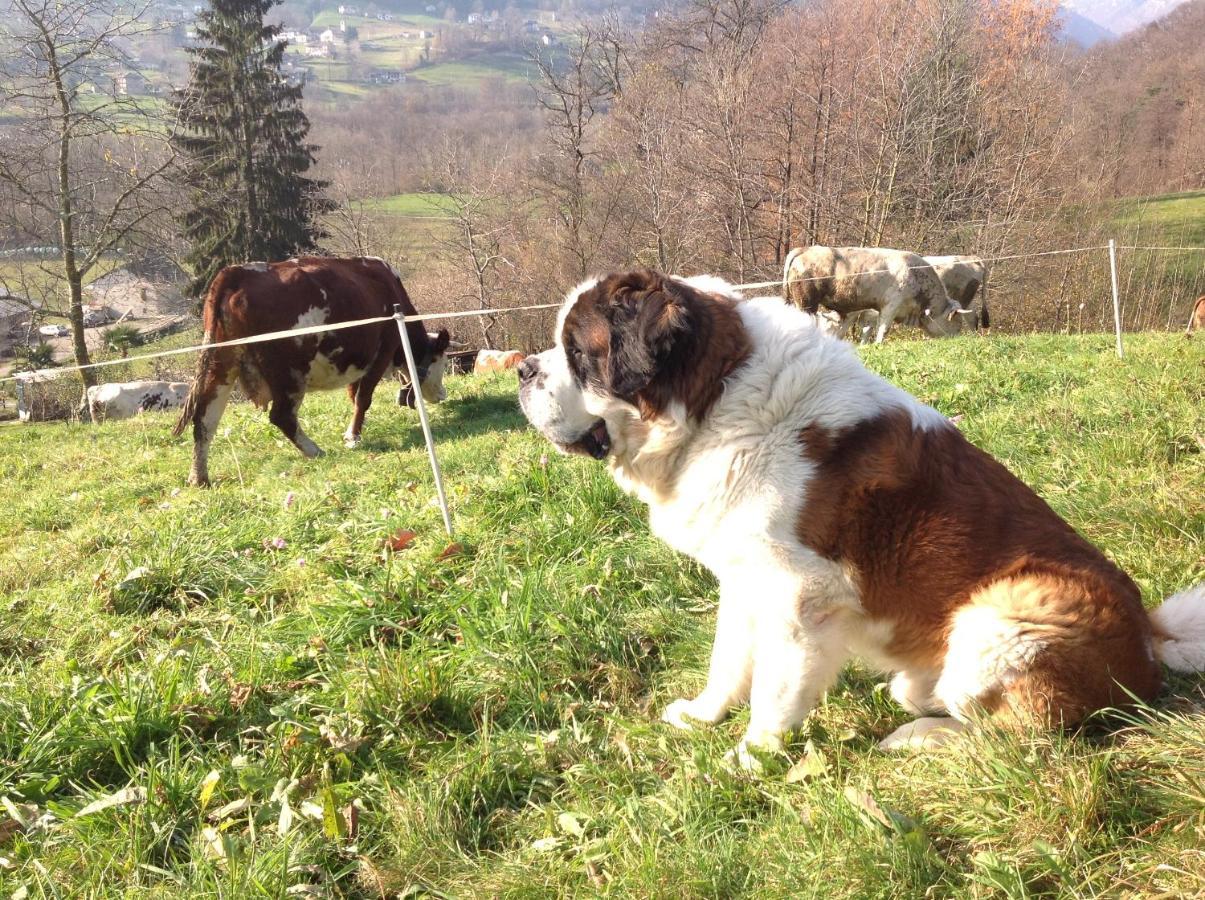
<point x="267" y="702"/>
<point x="1140" y="100"/>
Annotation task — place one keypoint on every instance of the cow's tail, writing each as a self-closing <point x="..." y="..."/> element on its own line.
<point x="985" y="318"/>
<point x="211" y="318"/>
<point x="786" y="273"/>
<point x="1180" y="630"/>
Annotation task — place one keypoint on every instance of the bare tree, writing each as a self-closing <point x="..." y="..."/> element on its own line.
<point x="81" y="159"/>
<point x="478" y="243"/>
<point x="574" y="89"/>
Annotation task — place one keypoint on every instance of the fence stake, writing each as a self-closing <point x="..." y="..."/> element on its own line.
<point x="421" y="406"/>
<point x="1116" y="297"/>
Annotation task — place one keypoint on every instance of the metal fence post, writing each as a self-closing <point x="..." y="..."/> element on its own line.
<point x="421" y="406"/>
<point x="1116" y="296"/>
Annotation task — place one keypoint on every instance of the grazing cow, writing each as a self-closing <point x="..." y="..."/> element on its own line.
<point x="126" y="400"/>
<point x="897" y="284"/>
<point x="1196" y="319"/>
<point x="963" y="277"/>
<point x="497" y="360"/>
<point x="258" y="298"/>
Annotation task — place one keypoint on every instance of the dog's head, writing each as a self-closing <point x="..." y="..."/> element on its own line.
<point x="630" y="348"/>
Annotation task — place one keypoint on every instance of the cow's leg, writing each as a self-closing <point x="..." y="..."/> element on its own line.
<point x="284" y="416"/>
<point x="362" y="398"/>
<point x="208" y="401"/>
<point x="887" y="316"/>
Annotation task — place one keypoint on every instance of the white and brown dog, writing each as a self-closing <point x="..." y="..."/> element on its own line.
<point x="841" y="517"/>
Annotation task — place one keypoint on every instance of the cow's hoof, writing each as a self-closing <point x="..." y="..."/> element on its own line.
<point x="351" y="441"/>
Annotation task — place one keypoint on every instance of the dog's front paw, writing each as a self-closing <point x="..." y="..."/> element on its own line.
<point x="678" y="713"/>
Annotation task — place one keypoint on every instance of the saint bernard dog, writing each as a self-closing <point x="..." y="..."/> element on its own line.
<point x="842" y="517"/>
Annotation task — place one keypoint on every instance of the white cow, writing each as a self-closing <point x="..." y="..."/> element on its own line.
<point x="963" y="277"/>
<point x="897" y="284"/>
<point x="125" y="400"/>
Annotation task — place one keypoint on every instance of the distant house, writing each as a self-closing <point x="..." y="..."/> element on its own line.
<point x="14" y="312"/>
<point x="387" y="76"/>
<point x="319" y="50"/>
<point x="474" y="18"/>
<point x="296" y="38"/>
<point x="327" y="37"/>
<point x="137" y="295"/>
<point x="346" y="10"/>
<point x="130" y="84"/>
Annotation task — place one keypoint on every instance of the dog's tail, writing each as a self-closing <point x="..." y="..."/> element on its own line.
<point x="1180" y="630"/>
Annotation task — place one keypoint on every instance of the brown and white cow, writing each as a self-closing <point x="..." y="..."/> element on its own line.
<point x="258" y="298"/>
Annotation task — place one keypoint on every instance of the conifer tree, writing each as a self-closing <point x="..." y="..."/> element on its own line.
<point x="242" y="133"/>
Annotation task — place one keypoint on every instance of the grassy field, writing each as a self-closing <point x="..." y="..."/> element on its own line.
<point x="509" y="67"/>
<point x="1176" y="219"/>
<point x="241" y="692"/>
<point x="415" y="203"/>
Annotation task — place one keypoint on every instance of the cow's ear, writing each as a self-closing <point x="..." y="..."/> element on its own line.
<point x="649" y="315"/>
<point x="440" y="344"/>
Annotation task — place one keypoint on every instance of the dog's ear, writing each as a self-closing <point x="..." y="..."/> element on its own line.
<point x="649" y="315"/>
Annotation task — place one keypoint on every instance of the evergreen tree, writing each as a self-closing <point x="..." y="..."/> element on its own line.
<point x="242" y="133"/>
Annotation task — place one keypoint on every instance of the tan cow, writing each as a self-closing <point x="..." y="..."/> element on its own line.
<point x="497" y="360"/>
<point x="1196" y="319"/>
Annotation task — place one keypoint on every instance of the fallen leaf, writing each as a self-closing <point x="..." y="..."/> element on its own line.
<point x="8" y="829"/>
<point x="450" y="551"/>
<point x="343" y="743"/>
<point x="570" y="824"/>
<point x="208" y="784"/>
<point x="285" y="821"/>
<point x="812" y="765"/>
<point x="231" y="809"/>
<point x="239" y="694"/>
<point x="400" y="539"/>
<point x="125" y="797"/>
<point x="866" y="804"/>
<point x="213" y="845"/>
<point x="351" y="818"/>
<point x="544" y="845"/>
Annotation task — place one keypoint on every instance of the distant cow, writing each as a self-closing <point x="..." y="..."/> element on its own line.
<point x="258" y="298"/>
<point x="497" y="360"/>
<point x="1196" y="319"/>
<point x="897" y="284"/>
<point x="126" y="400"/>
<point x="963" y="277"/>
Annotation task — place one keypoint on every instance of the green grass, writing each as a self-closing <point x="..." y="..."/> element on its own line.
<point x="492" y="717"/>
<point x="510" y="67"/>
<point x="415" y="203"/>
<point x="1174" y="219"/>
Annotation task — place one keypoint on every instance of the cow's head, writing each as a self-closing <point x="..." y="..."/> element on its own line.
<point x="944" y="323"/>
<point x="431" y="360"/>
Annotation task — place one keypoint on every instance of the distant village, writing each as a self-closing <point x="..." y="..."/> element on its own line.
<point x="147" y="77"/>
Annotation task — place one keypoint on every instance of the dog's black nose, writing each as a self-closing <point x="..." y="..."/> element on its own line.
<point x="528" y="369"/>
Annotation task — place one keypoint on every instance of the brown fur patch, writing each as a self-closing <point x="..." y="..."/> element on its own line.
<point x="931" y="523"/>
<point x="688" y="340"/>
